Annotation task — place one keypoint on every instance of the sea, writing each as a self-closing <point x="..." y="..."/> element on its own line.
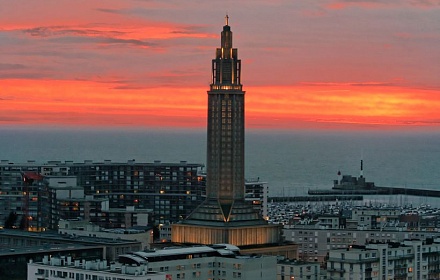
<point x="290" y="161"/>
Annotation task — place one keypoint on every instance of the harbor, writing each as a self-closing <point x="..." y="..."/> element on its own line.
<point x="351" y="185"/>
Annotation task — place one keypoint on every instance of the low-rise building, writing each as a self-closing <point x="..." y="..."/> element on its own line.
<point x="17" y="256"/>
<point x="222" y="261"/>
<point x="68" y="268"/>
<point x="113" y="247"/>
<point x="84" y="228"/>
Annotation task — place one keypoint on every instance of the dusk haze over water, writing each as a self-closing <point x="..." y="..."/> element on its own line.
<point x="306" y="64"/>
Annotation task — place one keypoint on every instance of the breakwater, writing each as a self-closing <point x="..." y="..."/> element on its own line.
<point x="315" y="198"/>
<point x="376" y="191"/>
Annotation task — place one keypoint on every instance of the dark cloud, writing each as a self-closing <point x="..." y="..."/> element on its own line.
<point x="425" y="3"/>
<point x="192" y="29"/>
<point x="418" y="3"/>
<point x="111" y="11"/>
<point x="359" y="84"/>
<point x="374" y="84"/>
<point x="23" y="75"/>
<point x="8" y="66"/>
<point x="420" y="122"/>
<point x="50" y="31"/>
<point x="133" y="42"/>
<point x="129" y="87"/>
<point x="56" y="53"/>
<point x="4" y="119"/>
<point x="38" y="32"/>
<point x="71" y="35"/>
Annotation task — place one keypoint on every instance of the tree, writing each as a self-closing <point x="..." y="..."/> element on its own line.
<point x="10" y="220"/>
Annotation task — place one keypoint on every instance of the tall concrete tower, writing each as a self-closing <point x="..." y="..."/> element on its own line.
<point x="225" y="154"/>
<point x="225" y="216"/>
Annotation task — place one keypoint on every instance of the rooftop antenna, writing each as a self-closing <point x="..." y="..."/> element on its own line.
<point x="362" y="164"/>
<point x="227" y="19"/>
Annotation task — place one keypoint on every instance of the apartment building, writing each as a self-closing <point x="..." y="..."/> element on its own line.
<point x="67" y="268"/>
<point x="355" y="262"/>
<point x="296" y="269"/>
<point x="170" y="191"/>
<point x="409" y="260"/>
<point x="222" y="261"/>
<point x="314" y="242"/>
<point x="199" y="262"/>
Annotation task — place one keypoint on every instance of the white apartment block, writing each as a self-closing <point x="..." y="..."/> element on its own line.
<point x="65" y="268"/>
<point x="409" y="260"/>
<point x="355" y="262"/>
<point x="295" y="269"/>
<point x="374" y="217"/>
<point x="315" y="242"/>
<point x="217" y="262"/>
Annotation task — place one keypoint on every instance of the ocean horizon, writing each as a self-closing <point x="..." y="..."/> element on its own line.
<point x="291" y="162"/>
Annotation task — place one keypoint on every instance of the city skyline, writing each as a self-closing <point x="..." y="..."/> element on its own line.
<point x="327" y="65"/>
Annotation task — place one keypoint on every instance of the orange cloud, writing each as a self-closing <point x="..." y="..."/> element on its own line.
<point x="314" y="106"/>
<point x="91" y="103"/>
<point x="347" y="104"/>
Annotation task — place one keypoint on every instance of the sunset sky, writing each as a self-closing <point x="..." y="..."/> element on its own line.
<point x="327" y="64"/>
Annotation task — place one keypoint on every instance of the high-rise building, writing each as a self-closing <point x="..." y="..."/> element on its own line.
<point x="225" y="216"/>
<point x="170" y="190"/>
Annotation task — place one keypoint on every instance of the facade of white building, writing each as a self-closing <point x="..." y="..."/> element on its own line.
<point x="314" y="242"/>
<point x="216" y="262"/>
<point x="66" y="268"/>
<point x="295" y="269"/>
<point x="208" y="262"/>
<point x="408" y="260"/>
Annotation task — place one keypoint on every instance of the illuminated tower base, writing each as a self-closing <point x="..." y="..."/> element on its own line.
<point x="239" y="236"/>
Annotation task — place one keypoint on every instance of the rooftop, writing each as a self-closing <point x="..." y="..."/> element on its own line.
<point x="52" y="236"/>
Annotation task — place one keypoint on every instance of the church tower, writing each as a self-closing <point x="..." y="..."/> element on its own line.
<point x="225" y="216"/>
<point x="225" y="154"/>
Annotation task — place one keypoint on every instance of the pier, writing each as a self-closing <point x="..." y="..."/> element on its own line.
<point x="377" y="191"/>
<point x="315" y="198"/>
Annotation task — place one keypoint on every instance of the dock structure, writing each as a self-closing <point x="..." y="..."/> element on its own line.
<point x="315" y="198"/>
<point x="377" y="191"/>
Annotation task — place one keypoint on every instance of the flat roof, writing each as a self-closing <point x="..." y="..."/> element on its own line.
<point x="54" y="236"/>
<point x="45" y="249"/>
<point x="175" y="251"/>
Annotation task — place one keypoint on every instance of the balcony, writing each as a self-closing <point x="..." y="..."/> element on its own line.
<point x="226" y="87"/>
<point x="336" y="270"/>
<point x="400" y="266"/>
